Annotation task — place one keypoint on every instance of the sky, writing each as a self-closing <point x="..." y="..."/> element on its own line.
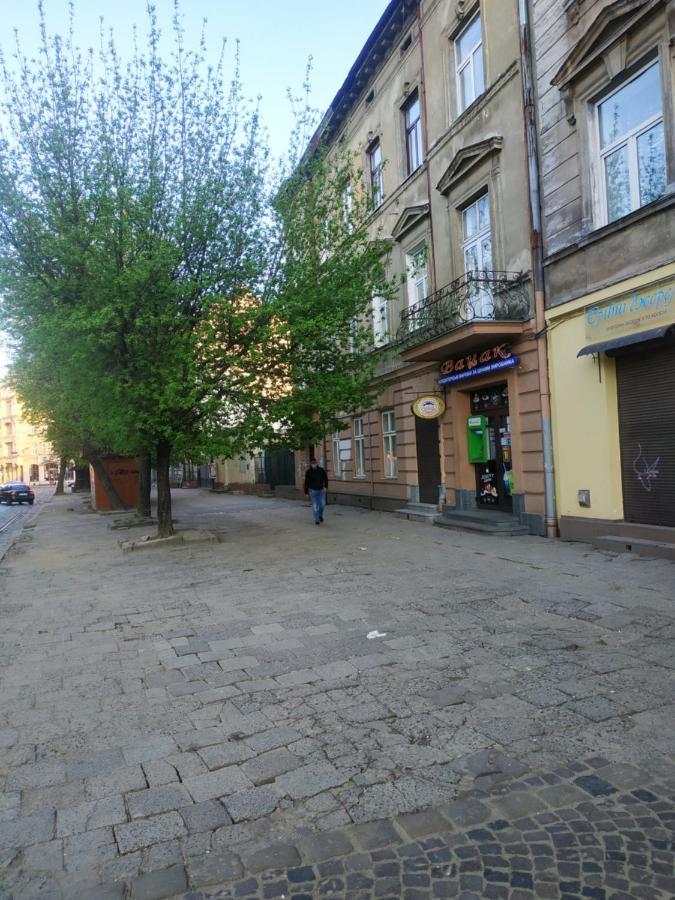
<point x="277" y="37"/>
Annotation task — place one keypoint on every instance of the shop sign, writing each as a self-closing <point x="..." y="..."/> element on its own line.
<point x="475" y="364"/>
<point x="428" y="407"/>
<point x="642" y="309"/>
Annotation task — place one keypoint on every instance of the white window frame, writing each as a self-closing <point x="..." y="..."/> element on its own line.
<point x="390" y="466"/>
<point x="337" y="465"/>
<point x="418" y="274"/>
<point x="414" y="148"/>
<point x="375" y="173"/>
<point x="359" y="448"/>
<point x="347" y="208"/>
<point x="380" y="307"/>
<point x="628" y="139"/>
<point x="482" y="306"/>
<point x="468" y="61"/>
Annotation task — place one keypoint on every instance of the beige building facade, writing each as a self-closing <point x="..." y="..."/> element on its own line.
<point x="605" y="86"/>
<point x="24" y="453"/>
<point x="433" y="107"/>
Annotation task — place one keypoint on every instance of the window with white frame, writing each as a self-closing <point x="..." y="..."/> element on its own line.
<point x="380" y="321"/>
<point x="347" y="206"/>
<point x="359" y="449"/>
<point x="632" y="145"/>
<point x="413" y="133"/>
<point x="375" y="173"/>
<point x="418" y="277"/>
<point x="389" y="444"/>
<point x="469" y="64"/>
<point x="337" y="466"/>
<point x="477" y="250"/>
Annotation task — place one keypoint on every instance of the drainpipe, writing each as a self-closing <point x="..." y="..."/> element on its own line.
<point x="537" y="261"/>
<point x="425" y="136"/>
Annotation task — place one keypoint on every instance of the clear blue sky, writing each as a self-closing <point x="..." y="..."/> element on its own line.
<point x="277" y="37"/>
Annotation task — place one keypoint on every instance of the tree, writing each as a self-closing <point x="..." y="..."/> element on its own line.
<point x="143" y="263"/>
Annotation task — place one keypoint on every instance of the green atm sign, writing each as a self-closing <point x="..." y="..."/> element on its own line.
<point x="477" y="438"/>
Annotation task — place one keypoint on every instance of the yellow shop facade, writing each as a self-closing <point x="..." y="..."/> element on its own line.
<point x="612" y="368"/>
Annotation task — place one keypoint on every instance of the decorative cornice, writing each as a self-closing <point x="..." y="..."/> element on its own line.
<point x="609" y="26"/>
<point x="410" y="217"/>
<point x="467" y="159"/>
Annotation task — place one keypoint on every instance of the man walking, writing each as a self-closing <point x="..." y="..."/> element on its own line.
<point x="316" y="488"/>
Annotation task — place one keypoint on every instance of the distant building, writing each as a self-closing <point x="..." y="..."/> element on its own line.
<point x="25" y="455"/>
<point x="605" y="83"/>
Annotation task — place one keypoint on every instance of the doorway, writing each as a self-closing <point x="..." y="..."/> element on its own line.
<point x="646" y="387"/>
<point x="494" y="478"/>
<point x="428" y="459"/>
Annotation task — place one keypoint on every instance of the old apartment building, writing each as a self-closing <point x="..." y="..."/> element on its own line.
<point x="605" y="84"/>
<point x="434" y="107"/>
<point x="24" y="453"/>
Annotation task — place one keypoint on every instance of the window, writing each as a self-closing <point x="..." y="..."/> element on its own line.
<point x="477" y="249"/>
<point x="389" y="444"/>
<point x="375" y="173"/>
<point x="359" y="449"/>
<point x="418" y="279"/>
<point x="469" y="64"/>
<point x="380" y="321"/>
<point x="34" y="449"/>
<point x="413" y="133"/>
<point x="337" y="468"/>
<point x="632" y="145"/>
<point x="347" y="206"/>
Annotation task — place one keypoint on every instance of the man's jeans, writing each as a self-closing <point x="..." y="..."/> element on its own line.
<point x="318" y="499"/>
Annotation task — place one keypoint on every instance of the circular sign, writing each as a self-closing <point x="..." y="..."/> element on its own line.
<point x="428" y="407"/>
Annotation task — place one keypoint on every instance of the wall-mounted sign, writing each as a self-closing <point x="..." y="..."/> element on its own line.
<point x="475" y="364"/>
<point x="428" y="407"/>
<point x="640" y="310"/>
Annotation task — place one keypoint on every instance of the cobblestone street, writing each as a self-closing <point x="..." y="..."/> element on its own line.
<point x="373" y="708"/>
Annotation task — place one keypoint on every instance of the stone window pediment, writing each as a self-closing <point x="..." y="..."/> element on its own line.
<point x="410" y="217"/>
<point x="600" y="38"/>
<point x="467" y="159"/>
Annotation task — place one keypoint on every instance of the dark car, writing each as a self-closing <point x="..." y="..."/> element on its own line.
<point x="16" y="492"/>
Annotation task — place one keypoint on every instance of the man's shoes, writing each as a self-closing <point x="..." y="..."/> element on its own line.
<point x="317" y="523"/>
<point x="321" y="519"/>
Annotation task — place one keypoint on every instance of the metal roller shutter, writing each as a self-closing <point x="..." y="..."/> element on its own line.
<point x="646" y="396"/>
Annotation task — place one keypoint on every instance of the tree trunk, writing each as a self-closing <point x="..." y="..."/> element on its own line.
<point x="62" y="476"/>
<point x="164" y="520"/>
<point x="144" y="509"/>
<point x="104" y="478"/>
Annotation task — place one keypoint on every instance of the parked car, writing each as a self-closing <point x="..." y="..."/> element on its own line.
<point x="16" y="492"/>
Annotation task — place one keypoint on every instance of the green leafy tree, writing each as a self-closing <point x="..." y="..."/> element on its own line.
<point x="160" y="304"/>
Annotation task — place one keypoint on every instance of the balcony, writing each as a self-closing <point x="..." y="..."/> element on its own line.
<point x="474" y="310"/>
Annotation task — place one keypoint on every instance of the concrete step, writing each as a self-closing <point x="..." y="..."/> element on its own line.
<point x="480" y="522"/>
<point x="418" y="512"/>
<point x="663" y="534"/>
<point x="640" y="546"/>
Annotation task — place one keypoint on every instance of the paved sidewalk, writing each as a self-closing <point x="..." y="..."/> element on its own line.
<point x="372" y="708"/>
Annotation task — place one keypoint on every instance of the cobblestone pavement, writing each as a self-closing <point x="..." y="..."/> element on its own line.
<point x="373" y="708"/>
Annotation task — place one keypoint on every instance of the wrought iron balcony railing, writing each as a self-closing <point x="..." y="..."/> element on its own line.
<point x="475" y="297"/>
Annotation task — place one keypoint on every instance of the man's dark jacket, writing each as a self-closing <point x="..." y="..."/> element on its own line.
<point x="316" y="479"/>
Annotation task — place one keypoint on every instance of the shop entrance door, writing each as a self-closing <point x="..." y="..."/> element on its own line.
<point x="428" y="459"/>
<point x="494" y="479"/>
<point x="646" y="395"/>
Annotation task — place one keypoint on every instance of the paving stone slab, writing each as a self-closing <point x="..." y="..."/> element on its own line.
<point x="253" y="804"/>
<point x="267" y="766"/>
<point x="135" y="835"/>
<point x="159" y="885"/>
<point x="26" y="830"/>
<point x="220" y="783"/>
<point x="90" y="815"/>
<point x="156" y="800"/>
